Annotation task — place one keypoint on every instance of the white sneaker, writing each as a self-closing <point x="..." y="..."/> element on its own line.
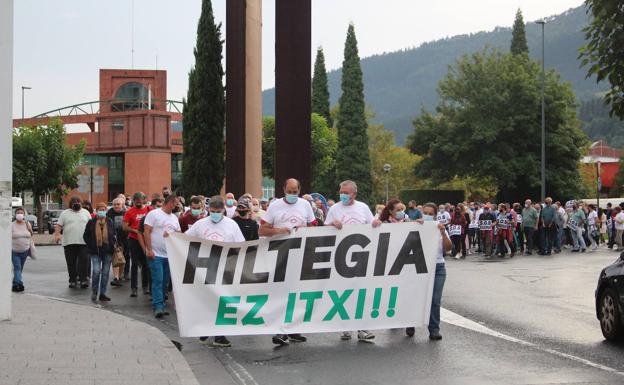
<point x="345" y="336"/>
<point x="365" y="335"/>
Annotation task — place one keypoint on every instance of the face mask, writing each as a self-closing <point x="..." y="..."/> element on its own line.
<point x="195" y="212"/>
<point x="138" y="205"/>
<point x="526" y="205"/>
<point x="216" y="217"/>
<point x="243" y="213"/>
<point x="76" y="206"/>
<point x="256" y="209"/>
<point x="345" y="198"/>
<point x="442" y="211"/>
<point x="101" y="214"/>
<point x="292" y="198"/>
<point x="427" y="218"/>
<point x="399" y="215"/>
<point x="230" y="202"/>
<point x="19" y="217"/>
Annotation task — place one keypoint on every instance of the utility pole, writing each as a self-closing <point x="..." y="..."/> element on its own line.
<point x="387" y="168"/>
<point x="24" y="88"/>
<point x="543" y="23"/>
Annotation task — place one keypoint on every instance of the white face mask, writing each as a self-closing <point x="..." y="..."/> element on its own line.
<point x="19" y="217"/>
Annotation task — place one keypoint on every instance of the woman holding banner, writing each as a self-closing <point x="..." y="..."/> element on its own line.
<point x="430" y="211"/>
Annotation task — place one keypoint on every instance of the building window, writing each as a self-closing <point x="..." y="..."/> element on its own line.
<point x="131" y="96"/>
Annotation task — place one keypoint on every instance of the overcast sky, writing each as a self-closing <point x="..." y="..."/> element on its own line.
<point x="60" y="45"/>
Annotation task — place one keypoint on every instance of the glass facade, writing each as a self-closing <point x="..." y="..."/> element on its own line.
<point x="176" y="171"/>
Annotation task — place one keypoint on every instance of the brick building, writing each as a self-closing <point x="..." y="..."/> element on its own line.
<point x="134" y="143"/>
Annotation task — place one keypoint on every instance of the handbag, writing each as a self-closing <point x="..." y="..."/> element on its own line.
<point x="32" y="251"/>
<point x="118" y="256"/>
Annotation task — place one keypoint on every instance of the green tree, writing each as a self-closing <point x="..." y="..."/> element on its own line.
<point x="352" y="158"/>
<point x="203" y="167"/>
<point x="518" y="36"/>
<point x="603" y="51"/>
<point x="488" y="125"/>
<point x="324" y="146"/>
<point x="383" y="151"/>
<point x="44" y="163"/>
<point x="320" y="89"/>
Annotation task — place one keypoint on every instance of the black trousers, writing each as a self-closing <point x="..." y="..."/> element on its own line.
<point x="138" y="259"/>
<point x="459" y="244"/>
<point x="78" y="262"/>
<point x="520" y="235"/>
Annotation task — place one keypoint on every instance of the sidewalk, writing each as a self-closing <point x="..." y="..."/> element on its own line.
<point x="54" y="342"/>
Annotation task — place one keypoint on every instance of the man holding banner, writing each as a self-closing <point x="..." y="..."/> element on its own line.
<point x="217" y="227"/>
<point x="351" y="212"/>
<point x="282" y="216"/>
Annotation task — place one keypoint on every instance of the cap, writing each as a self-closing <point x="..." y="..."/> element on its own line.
<point x="243" y="204"/>
<point x="264" y="200"/>
<point x="138" y="195"/>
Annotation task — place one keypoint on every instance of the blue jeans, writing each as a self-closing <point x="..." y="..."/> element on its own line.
<point x="159" y="268"/>
<point x="577" y="238"/>
<point x="100" y="266"/>
<point x="18" y="259"/>
<point x="436" y="302"/>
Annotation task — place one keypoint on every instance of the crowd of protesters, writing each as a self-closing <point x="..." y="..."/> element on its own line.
<point x="134" y="230"/>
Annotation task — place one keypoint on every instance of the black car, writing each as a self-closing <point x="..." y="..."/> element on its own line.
<point x="610" y="300"/>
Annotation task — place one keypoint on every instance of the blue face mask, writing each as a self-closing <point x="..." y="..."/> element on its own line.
<point x="195" y="212"/>
<point x="101" y="214"/>
<point x="292" y="198"/>
<point x="399" y="215"/>
<point x="229" y="202"/>
<point x="428" y="218"/>
<point x="216" y="217"/>
<point x="345" y="198"/>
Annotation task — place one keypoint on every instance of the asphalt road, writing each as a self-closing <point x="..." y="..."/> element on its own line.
<point x="527" y="320"/>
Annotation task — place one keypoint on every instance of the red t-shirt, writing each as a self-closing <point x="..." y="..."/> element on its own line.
<point x="133" y="217"/>
<point x="187" y="220"/>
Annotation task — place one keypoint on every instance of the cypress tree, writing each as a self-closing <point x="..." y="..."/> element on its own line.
<point x="518" y="36"/>
<point x="352" y="158"/>
<point x="320" y="90"/>
<point x="203" y="166"/>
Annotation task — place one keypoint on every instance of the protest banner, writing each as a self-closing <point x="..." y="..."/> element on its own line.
<point x="316" y="279"/>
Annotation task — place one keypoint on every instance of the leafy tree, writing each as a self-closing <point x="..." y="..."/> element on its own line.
<point x="320" y="89"/>
<point x="518" y="40"/>
<point x="203" y="168"/>
<point x="44" y="163"/>
<point x="383" y="150"/>
<point x="603" y="51"/>
<point x="324" y="146"/>
<point x="488" y="125"/>
<point x="352" y="158"/>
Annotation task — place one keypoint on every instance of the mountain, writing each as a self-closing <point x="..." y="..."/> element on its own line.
<point x="398" y="85"/>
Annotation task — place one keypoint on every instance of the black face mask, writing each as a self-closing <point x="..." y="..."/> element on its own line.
<point x="76" y="206"/>
<point x="138" y="205"/>
<point x="243" y="213"/>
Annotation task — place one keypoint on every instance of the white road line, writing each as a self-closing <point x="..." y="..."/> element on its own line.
<point x="458" y="320"/>
<point x="243" y="376"/>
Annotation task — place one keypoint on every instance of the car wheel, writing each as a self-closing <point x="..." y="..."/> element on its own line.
<point x="610" y="322"/>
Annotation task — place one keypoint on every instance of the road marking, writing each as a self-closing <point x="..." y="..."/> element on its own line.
<point x="461" y="321"/>
<point x="236" y="369"/>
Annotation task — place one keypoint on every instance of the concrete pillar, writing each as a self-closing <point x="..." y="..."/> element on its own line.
<point x="293" y="62"/>
<point x="6" y="149"/>
<point x="253" y="102"/>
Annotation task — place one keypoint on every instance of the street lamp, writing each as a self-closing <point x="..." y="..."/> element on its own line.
<point x="543" y="23"/>
<point x="24" y="88"/>
<point x="387" y="168"/>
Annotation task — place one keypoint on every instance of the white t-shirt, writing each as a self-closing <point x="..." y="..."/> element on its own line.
<point x="285" y="215"/>
<point x="619" y="221"/>
<point x="591" y="218"/>
<point x="230" y="211"/>
<point x="357" y="213"/>
<point x="444" y="218"/>
<point x="160" y="222"/>
<point x="226" y="230"/>
<point x="73" y="224"/>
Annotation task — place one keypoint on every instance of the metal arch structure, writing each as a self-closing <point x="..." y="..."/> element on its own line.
<point x="88" y="112"/>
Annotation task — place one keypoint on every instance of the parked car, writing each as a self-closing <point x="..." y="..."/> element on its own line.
<point x="610" y="300"/>
<point x="50" y="217"/>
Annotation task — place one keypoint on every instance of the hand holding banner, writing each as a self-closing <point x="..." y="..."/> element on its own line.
<point x="317" y="279"/>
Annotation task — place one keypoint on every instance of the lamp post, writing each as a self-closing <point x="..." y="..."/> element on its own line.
<point x="24" y="88"/>
<point x="543" y="191"/>
<point x="387" y="168"/>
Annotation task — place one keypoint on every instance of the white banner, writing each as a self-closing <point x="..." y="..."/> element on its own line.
<point x="316" y="279"/>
